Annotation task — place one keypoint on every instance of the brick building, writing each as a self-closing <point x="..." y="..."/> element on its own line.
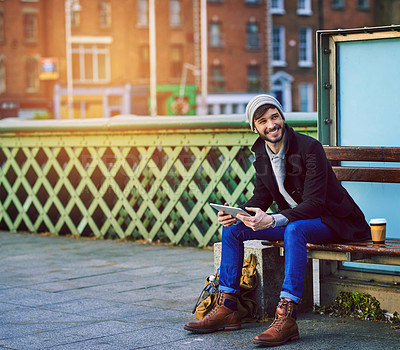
<point x="238" y="51"/>
<point x="253" y="46"/>
<point x="294" y="24"/>
<point x="350" y="14"/>
<point x="109" y="55"/>
<point x="22" y="43"/>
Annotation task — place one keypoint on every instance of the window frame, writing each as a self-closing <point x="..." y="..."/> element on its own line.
<point x="253" y="79"/>
<point x="83" y="51"/>
<point x="281" y="62"/>
<point x="215" y="40"/>
<point x="175" y="19"/>
<point x="105" y="14"/>
<point x="252" y="2"/>
<point x="338" y="4"/>
<point x="306" y="10"/>
<point x="143" y="13"/>
<point x="252" y="36"/>
<point x="306" y="91"/>
<point x="306" y="45"/>
<point x="364" y="6"/>
<point x="30" y="38"/>
<point x="279" y="9"/>
<point x="217" y="81"/>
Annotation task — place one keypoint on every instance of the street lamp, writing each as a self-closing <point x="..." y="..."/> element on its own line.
<point x="70" y="6"/>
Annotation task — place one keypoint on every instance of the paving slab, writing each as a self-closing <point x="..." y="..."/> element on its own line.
<point x="66" y="293"/>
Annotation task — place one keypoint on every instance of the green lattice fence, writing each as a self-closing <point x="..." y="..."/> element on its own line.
<point x="125" y="179"/>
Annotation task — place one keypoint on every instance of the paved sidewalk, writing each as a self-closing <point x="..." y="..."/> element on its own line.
<point x="66" y="293"/>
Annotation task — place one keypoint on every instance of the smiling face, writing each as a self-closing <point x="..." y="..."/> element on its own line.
<point x="270" y="127"/>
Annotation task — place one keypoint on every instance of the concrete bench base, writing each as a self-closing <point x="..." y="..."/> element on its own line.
<point x="270" y="270"/>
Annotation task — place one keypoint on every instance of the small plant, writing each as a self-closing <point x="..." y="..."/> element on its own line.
<point x="357" y="305"/>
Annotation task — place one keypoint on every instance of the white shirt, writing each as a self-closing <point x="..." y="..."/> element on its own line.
<point x="278" y="168"/>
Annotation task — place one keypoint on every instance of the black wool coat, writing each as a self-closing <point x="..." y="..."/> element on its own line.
<point x="312" y="183"/>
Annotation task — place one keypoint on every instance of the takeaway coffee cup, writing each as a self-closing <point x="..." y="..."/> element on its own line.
<point x="378" y="230"/>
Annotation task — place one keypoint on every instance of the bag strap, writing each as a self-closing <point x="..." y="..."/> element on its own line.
<point x="200" y="298"/>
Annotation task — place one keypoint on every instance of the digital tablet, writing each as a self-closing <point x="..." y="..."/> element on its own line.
<point x="229" y="210"/>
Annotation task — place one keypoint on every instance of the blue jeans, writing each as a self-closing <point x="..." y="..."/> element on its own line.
<point x="295" y="235"/>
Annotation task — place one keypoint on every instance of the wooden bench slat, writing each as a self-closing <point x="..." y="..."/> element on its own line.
<point x="364" y="174"/>
<point x="365" y="154"/>
<point x="390" y="248"/>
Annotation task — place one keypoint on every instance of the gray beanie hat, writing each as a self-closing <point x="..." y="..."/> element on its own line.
<point x="259" y="101"/>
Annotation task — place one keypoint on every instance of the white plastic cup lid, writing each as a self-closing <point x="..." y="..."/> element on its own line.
<point x="380" y="221"/>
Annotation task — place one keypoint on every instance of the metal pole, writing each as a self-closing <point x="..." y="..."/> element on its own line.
<point x="153" y="71"/>
<point x="185" y="68"/>
<point x="204" y="60"/>
<point x="183" y="82"/>
<point x="268" y="45"/>
<point x="70" y="92"/>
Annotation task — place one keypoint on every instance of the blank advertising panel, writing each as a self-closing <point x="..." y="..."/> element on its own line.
<point x="368" y="114"/>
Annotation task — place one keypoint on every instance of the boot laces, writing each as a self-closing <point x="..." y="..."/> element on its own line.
<point x="219" y="302"/>
<point x="278" y="321"/>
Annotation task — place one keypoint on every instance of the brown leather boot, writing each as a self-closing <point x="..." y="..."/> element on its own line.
<point x="283" y="329"/>
<point x="219" y="318"/>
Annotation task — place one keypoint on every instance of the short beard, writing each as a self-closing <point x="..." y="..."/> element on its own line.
<point x="265" y="138"/>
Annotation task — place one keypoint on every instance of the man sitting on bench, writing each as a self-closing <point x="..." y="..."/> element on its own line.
<point x="293" y="171"/>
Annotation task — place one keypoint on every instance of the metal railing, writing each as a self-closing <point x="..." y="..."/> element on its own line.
<point x="127" y="177"/>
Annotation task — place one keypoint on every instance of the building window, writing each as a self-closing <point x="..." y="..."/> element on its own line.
<point x="30" y="27"/>
<point x="2" y="74"/>
<point x="277" y="7"/>
<point x="215" y="35"/>
<point x="253" y="36"/>
<point x="253" y="78"/>
<point x="278" y="46"/>
<point x="305" y="47"/>
<point x="252" y="2"/>
<point x="91" y="63"/>
<point x="175" y="18"/>
<point x="363" y="4"/>
<point x="143" y="13"/>
<point x="104" y="14"/>
<point x="1" y="26"/>
<point x="304" y="8"/>
<point x="306" y="91"/>
<point x="217" y="81"/>
<point x="338" y="4"/>
<point x="144" y="62"/>
<point x="31" y="74"/>
<point x="176" y="61"/>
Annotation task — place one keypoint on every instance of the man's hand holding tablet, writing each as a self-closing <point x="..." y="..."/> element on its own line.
<point x="227" y="214"/>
